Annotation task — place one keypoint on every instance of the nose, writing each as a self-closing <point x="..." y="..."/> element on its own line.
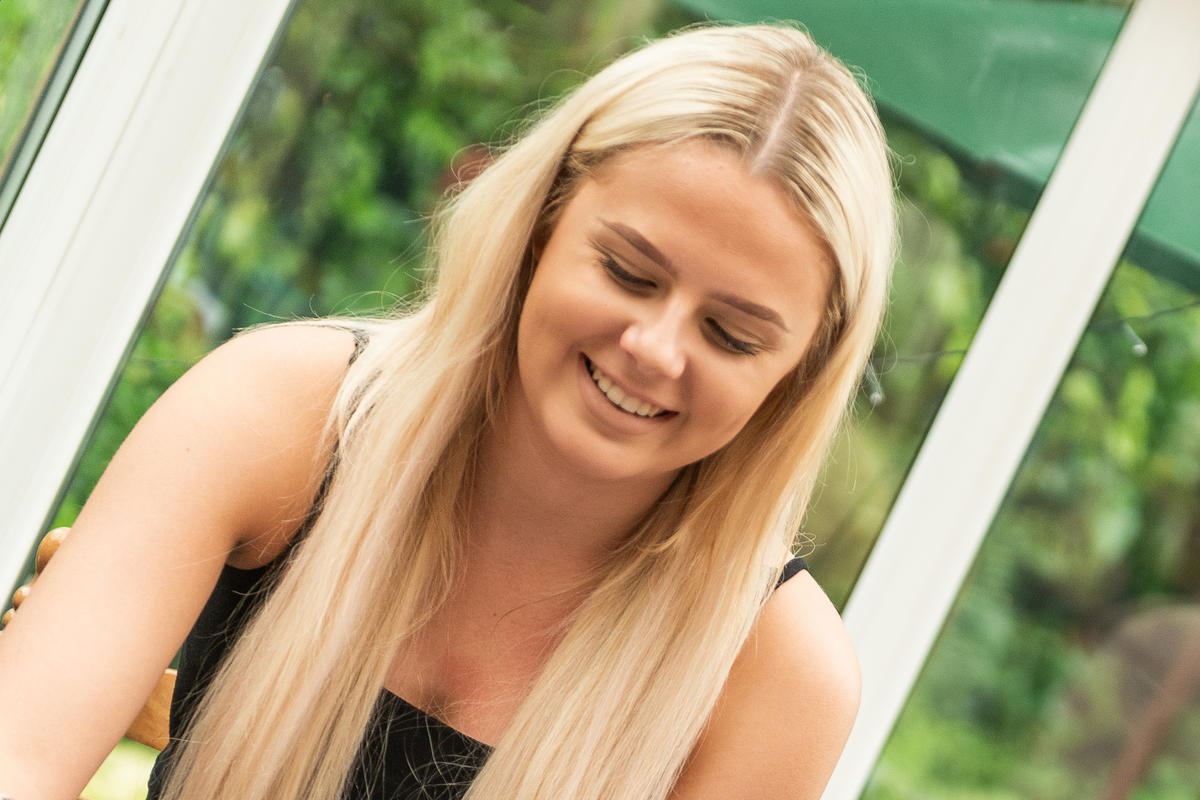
<point x="656" y="343"/>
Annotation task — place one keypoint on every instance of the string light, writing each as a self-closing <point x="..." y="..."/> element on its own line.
<point x="1135" y="341"/>
<point x="874" y="388"/>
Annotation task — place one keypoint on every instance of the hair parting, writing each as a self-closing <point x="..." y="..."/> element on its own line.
<point x="625" y="694"/>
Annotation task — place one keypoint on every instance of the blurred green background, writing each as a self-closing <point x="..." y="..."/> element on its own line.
<point x="1082" y="599"/>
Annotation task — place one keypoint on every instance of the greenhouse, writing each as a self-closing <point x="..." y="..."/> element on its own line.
<point x="1009" y="524"/>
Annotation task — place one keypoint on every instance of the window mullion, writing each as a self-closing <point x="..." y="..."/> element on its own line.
<point x="96" y="221"/>
<point x="1086" y="214"/>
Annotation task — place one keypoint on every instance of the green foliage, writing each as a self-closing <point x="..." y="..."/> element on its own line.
<point x="1091" y="546"/>
<point x="344" y="148"/>
<point x="1098" y="529"/>
<point x="318" y="206"/>
<point x="30" y="35"/>
<point x="955" y="241"/>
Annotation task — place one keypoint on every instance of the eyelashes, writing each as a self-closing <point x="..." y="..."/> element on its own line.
<point x="622" y="275"/>
<point x="732" y="342"/>
<point x="634" y="283"/>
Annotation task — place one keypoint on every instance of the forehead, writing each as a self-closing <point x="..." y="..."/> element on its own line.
<point x="721" y="225"/>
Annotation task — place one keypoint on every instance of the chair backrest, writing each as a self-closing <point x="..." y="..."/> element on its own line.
<point x="151" y="727"/>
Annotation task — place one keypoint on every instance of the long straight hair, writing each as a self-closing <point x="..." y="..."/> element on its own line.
<point x="624" y="696"/>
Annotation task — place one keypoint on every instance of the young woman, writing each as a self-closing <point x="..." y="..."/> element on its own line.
<point x="532" y="539"/>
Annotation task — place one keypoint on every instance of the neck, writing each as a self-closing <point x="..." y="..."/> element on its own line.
<point x="554" y="523"/>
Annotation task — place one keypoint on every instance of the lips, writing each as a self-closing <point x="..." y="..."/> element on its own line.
<point x="619" y="398"/>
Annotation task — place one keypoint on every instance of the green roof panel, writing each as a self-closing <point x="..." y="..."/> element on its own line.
<point x="999" y="85"/>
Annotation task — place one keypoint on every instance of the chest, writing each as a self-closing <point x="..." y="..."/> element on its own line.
<point x="471" y="671"/>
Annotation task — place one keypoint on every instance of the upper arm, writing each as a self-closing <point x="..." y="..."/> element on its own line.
<point x="228" y="456"/>
<point x="787" y="708"/>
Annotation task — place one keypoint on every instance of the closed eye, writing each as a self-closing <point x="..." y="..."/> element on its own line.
<point x="636" y="283"/>
<point x="622" y="275"/>
<point x="730" y="342"/>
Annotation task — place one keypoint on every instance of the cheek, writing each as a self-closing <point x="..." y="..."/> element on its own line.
<point x="552" y="322"/>
<point x="564" y="308"/>
<point x="731" y="403"/>
<point x="728" y="406"/>
<point x="541" y="314"/>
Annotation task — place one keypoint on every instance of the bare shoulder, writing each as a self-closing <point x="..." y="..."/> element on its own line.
<point x="787" y="708"/>
<point x="278" y="385"/>
<point x="291" y="368"/>
<point x="233" y="448"/>
<point x="220" y="468"/>
<point x="291" y="356"/>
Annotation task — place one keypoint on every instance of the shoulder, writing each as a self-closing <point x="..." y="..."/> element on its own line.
<point x="262" y="400"/>
<point x="292" y="353"/>
<point x="229" y="451"/>
<point x="278" y="376"/>
<point x="787" y="708"/>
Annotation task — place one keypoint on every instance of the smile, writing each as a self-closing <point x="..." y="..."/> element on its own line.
<point x="626" y="402"/>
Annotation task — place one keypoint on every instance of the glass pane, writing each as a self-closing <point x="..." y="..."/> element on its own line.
<point x="352" y="133"/>
<point x="978" y="100"/>
<point x="318" y="208"/>
<point x="1070" y="664"/>
<point x="956" y="239"/>
<point x="347" y="141"/>
<point x="39" y="41"/>
<point x="356" y="127"/>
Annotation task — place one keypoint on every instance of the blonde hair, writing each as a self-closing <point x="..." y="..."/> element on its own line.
<point x="622" y="699"/>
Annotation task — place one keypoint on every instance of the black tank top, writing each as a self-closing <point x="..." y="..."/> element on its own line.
<point x="406" y="754"/>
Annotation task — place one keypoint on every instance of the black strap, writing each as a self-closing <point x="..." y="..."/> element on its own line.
<point x="791" y="569"/>
<point x="361" y="337"/>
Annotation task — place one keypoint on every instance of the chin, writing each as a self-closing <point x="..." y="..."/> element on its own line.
<point x="589" y="456"/>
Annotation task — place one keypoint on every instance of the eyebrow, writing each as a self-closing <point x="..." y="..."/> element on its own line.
<point x="643" y="245"/>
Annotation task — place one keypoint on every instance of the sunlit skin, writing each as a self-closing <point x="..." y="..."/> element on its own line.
<point x="692" y="284"/>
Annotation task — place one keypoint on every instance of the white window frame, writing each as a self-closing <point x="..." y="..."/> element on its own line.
<point x="1051" y="286"/>
<point x="160" y="87"/>
<point x="95" y="223"/>
<point x="46" y="105"/>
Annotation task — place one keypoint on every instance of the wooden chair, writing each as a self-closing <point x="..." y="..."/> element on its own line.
<point x="151" y="726"/>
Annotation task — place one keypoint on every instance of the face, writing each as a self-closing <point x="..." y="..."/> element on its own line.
<point x="674" y="293"/>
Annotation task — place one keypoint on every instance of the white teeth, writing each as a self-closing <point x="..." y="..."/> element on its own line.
<point x="618" y="398"/>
